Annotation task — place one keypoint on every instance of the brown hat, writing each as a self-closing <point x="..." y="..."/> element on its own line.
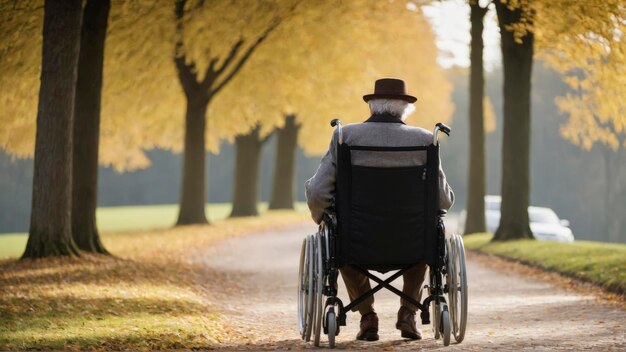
<point x="390" y="88"/>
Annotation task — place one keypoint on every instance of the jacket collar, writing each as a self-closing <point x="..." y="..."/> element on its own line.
<point x="385" y="118"/>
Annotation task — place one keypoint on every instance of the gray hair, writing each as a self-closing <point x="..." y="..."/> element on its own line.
<point x="395" y="107"/>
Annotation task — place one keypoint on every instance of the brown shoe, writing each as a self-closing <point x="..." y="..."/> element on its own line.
<point x="406" y="324"/>
<point x="369" y="327"/>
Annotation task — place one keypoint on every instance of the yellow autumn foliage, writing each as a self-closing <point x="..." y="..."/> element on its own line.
<point x="590" y="51"/>
<point x="323" y="56"/>
<point x="319" y="65"/>
<point x="139" y="85"/>
<point x="585" y="41"/>
<point x="21" y="24"/>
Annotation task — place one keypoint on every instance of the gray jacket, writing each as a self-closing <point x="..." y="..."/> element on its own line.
<point x="320" y="189"/>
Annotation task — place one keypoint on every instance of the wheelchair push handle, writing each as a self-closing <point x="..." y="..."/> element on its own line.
<point x="444" y="128"/>
<point x="337" y="123"/>
<point x="440" y="127"/>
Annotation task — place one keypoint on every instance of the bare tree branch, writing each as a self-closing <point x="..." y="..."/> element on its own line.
<point x="210" y="75"/>
<point x="246" y="56"/>
<point x="179" y="9"/>
<point x="187" y="73"/>
<point x="231" y="56"/>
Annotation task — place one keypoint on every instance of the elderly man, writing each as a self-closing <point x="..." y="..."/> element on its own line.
<point x="390" y="105"/>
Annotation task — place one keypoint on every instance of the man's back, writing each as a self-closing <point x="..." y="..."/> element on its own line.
<point x="380" y="130"/>
<point x="386" y="131"/>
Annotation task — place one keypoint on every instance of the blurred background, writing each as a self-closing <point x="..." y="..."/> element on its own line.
<point x="142" y="121"/>
<point x="574" y="189"/>
<point x="153" y="155"/>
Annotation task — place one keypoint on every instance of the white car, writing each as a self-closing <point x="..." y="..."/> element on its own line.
<point x="544" y="223"/>
<point x="547" y="226"/>
<point x="492" y="212"/>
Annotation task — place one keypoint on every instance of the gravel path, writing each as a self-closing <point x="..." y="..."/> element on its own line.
<point x="507" y="311"/>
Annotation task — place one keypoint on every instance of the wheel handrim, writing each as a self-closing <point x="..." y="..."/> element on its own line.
<point x="302" y="290"/>
<point x="319" y="285"/>
<point x="453" y="283"/>
<point x="463" y="290"/>
<point x="310" y="302"/>
<point x="457" y="288"/>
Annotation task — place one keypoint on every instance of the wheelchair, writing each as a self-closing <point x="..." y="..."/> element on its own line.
<point x="368" y="212"/>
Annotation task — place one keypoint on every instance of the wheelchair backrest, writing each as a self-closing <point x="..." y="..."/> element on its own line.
<point x="387" y="215"/>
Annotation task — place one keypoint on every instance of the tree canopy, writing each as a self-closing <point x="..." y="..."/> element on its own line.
<point x="319" y="69"/>
<point x="143" y="103"/>
<point x="584" y="41"/>
<point x="130" y="92"/>
<point x="322" y="57"/>
<point x="591" y="54"/>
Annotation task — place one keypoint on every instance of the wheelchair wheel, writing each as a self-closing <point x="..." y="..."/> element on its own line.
<point x="457" y="287"/>
<point x="305" y="289"/>
<point x="331" y="325"/>
<point x="318" y="289"/>
<point x="445" y="325"/>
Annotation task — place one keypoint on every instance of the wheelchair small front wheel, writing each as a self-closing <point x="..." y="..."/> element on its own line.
<point x="446" y="326"/>
<point x="331" y="324"/>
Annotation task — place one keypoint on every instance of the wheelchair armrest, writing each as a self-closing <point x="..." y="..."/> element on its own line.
<point x="329" y="220"/>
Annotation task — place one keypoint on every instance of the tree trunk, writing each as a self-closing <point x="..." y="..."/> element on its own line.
<point x="517" y="59"/>
<point x="199" y="93"/>
<point x="618" y="196"/>
<point x="475" y="219"/>
<point x="192" y="200"/>
<point x="283" y="184"/>
<point x="87" y="126"/>
<point x="50" y="222"/>
<point x="247" y="165"/>
<point x="607" y="191"/>
<point x="613" y="198"/>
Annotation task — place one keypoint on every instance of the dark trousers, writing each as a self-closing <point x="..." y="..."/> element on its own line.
<point x="357" y="284"/>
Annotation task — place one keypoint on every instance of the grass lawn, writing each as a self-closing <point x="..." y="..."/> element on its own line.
<point x="145" y="217"/>
<point x="149" y="295"/>
<point x="601" y="263"/>
<point x="12" y="245"/>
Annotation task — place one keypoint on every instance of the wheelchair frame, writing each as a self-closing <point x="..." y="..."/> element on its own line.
<point x="319" y="272"/>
